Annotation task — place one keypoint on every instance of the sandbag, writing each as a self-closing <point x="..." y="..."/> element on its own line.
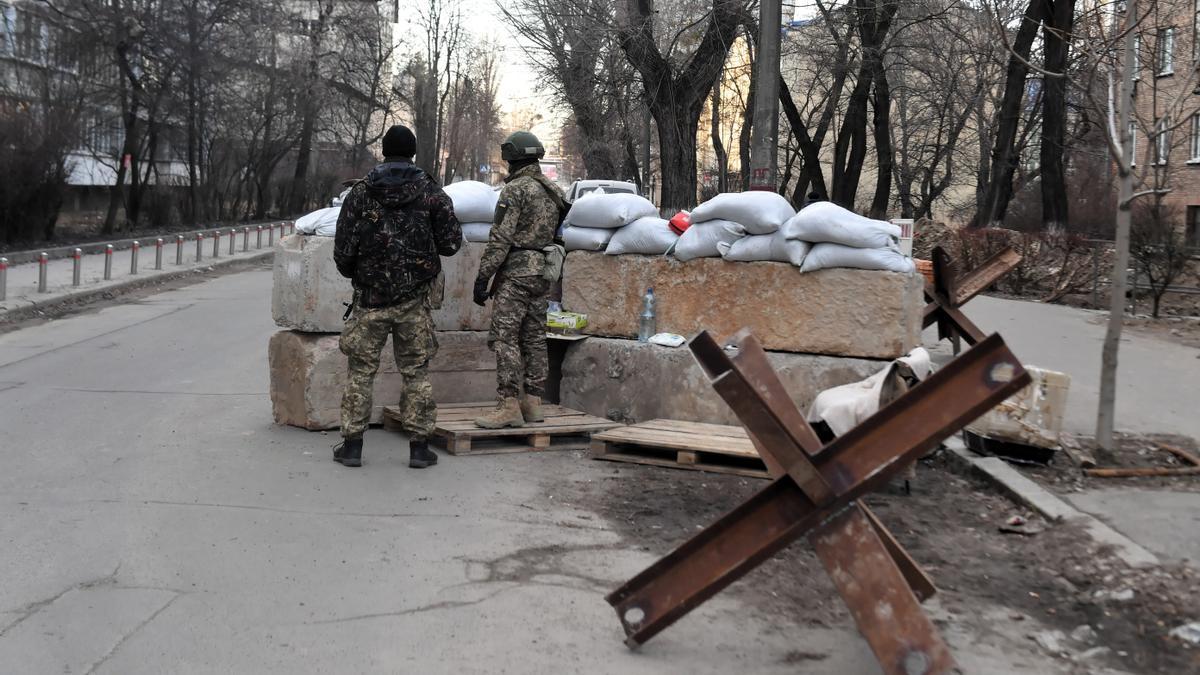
<point x="769" y="247"/>
<point x="758" y="212"/>
<point x="829" y="223"/>
<point x="586" y="238"/>
<point x="824" y="256"/>
<point x="609" y="211"/>
<point x="476" y="231"/>
<point x="322" y="222"/>
<point x="701" y="239"/>
<point x="474" y="202"/>
<point x="646" y="236"/>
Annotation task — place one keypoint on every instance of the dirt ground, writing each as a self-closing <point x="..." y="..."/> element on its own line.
<point x="950" y="524"/>
<point x="1064" y="475"/>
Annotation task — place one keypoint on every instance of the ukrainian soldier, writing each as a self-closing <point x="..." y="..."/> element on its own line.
<point x="530" y="209"/>
<point x="392" y="229"/>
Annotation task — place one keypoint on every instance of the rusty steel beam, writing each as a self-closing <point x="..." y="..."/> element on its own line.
<point x="920" y="583"/>
<point x="852" y="465"/>
<point x="888" y="615"/>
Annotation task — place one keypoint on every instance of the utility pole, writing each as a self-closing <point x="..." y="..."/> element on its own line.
<point x="764" y="137"/>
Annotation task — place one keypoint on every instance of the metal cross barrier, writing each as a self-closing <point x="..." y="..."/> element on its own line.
<point x="76" y="266"/>
<point x="133" y="257"/>
<point x="108" y="252"/>
<point x="43" y="261"/>
<point x="948" y="293"/>
<point x="815" y="493"/>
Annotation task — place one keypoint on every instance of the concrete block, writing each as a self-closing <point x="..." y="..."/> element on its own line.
<point x="308" y="374"/>
<point x="840" y="312"/>
<point x="629" y="381"/>
<point x="308" y="293"/>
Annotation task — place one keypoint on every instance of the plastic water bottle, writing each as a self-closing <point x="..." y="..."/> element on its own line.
<point x="647" y="323"/>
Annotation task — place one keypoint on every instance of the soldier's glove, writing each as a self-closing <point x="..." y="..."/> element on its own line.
<point x="481" y="291"/>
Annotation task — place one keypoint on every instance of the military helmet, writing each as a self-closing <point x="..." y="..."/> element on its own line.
<point x="521" y="145"/>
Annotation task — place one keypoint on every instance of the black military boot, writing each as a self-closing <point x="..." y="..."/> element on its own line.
<point x="348" y="452"/>
<point x="419" y="455"/>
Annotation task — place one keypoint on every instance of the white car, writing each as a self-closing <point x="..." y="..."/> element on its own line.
<point x="582" y="187"/>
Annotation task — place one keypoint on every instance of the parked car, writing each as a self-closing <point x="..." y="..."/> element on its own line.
<point x="582" y="187"/>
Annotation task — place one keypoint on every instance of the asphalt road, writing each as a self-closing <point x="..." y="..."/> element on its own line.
<point x="155" y="520"/>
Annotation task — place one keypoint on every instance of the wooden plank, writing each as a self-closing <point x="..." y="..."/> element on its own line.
<point x="469" y="429"/>
<point x="725" y="430"/>
<point x="679" y="441"/>
<point x="985" y="275"/>
<point x="669" y="464"/>
<point x="510" y="445"/>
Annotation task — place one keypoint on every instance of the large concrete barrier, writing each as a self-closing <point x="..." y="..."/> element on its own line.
<point x="308" y="374"/>
<point x="630" y="381"/>
<point x="309" y="294"/>
<point x="840" y="312"/>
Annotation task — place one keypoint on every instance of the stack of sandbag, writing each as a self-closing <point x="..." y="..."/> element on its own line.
<point x="321" y="223"/>
<point x="595" y="218"/>
<point x="744" y="224"/>
<point x="842" y="238"/>
<point x="474" y="206"/>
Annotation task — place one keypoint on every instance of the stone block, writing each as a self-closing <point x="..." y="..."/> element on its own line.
<point x="308" y="374"/>
<point x="631" y="382"/>
<point x="308" y="293"/>
<point x="840" y="312"/>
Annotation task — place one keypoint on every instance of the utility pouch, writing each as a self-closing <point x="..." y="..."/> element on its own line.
<point x="555" y="254"/>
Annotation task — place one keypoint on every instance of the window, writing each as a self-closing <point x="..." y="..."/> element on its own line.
<point x="1192" y="235"/>
<point x="1162" y="140"/>
<point x="1194" y="154"/>
<point x="1166" y="51"/>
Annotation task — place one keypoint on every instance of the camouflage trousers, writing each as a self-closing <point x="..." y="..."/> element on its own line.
<point x="518" y="336"/>
<point x="414" y="344"/>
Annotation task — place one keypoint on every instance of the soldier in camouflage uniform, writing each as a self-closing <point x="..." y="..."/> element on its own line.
<point x="392" y="229"/>
<point x="527" y="216"/>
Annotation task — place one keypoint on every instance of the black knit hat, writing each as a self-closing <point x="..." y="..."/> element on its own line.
<point x="399" y="141"/>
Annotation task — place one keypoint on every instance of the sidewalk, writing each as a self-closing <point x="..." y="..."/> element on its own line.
<point x="19" y="283"/>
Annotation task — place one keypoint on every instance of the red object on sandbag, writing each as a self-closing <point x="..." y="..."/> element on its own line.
<point x="680" y="222"/>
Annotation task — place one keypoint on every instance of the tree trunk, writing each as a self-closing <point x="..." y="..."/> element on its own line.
<point x="811" y="173"/>
<point x="1004" y="153"/>
<point x="677" y="150"/>
<point x="1105" y="416"/>
<point x="851" y="147"/>
<point x="882" y="104"/>
<point x="744" y="137"/>
<point x="1059" y="22"/>
<point x="718" y="146"/>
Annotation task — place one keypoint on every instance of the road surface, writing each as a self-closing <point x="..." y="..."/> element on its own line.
<point x="155" y="520"/>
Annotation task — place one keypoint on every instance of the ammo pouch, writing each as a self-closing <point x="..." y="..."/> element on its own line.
<point x="555" y="254"/>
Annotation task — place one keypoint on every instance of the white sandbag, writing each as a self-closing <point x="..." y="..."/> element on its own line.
<point x="768" y="247"/>
<point x="847" y="406"/>
<point x="827" y="222"/>
<point x="760" y="212"/>
<point x="701" y="239"/>
<point x="824" y="256"/>
<point x="474" y="202"/>
<point x="322" y="222"/>
<point x="646" y="236"/>
<point x="609" y="211"/>
<point x="586" y="238"/>
<point x="476" y="231"/>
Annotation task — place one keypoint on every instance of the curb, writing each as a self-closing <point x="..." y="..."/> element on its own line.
<point x="1027" y="493"/>
<point x="93" y="248"/>
<point x="121" y="287"/>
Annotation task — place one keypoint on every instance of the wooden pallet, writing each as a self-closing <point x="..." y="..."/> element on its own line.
<point x="564" y="429"/>
<point x="682" y="445"/>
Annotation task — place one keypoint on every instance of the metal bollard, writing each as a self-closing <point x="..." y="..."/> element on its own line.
<point x="3" y="278"/>
<point x="133" y="256"/>
<point x="217" y="244"/>
<point x="245" y="239"/>
<point x="232" y="241"/>
<point x="108" y="262"/>
<point x="199" y="245"/>
<point x="43" y="260"/>
<point x="259" y="245"/>
<point x="179" y="249"/>
<point x="158" y="244"/>
<point x="77" y="271"/>
<point x="270" y="235"/>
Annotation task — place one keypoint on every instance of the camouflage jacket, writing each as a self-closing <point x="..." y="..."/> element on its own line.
<point x="527" y="217"/>
<point x="393" y="226"/>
